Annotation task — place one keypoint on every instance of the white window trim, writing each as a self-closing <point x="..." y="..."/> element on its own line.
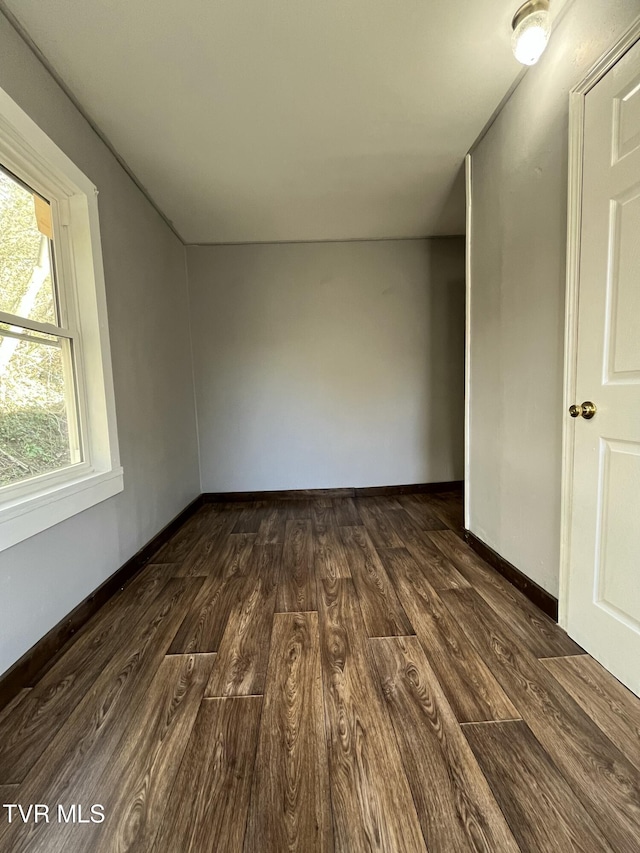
<point x="33" y="506"/>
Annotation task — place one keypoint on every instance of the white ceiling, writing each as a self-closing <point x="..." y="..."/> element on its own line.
<point x="270" y="120"/>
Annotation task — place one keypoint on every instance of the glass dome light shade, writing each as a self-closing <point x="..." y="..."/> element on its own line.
<point x="530" y="37"/>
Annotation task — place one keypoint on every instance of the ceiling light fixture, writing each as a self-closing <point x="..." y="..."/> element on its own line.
<point x="530" y="31"/>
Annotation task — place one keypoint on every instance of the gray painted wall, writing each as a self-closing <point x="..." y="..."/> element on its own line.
<point x="43" y="578"/>
<point x="519" y="176"/>
<point x="323" y="365"/>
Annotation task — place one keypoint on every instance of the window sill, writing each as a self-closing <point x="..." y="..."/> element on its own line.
<point x="33" y="513"/>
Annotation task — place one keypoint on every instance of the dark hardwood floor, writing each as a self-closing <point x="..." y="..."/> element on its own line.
<point x="328" y="674"/>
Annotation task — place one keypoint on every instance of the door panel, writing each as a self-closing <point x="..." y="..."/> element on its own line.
<point x="618" y="531"/>
<point x="626" y="131"/>
<point x="623" y="292"/>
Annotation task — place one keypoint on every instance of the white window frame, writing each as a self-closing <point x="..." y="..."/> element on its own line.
<point x="31" y="506"/>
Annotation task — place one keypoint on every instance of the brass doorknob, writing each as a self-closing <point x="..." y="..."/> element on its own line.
<point x="587" y="410"/>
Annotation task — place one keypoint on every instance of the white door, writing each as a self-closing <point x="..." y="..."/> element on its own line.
<point x="603" y="612"/>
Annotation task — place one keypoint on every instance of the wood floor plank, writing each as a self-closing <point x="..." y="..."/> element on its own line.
<point x="541" y="635"/>
<point x="290" y="803"/>
<point x="231" y="511"/>
<point x="347" y="514"/>
<point x="8" y="794"/>
<point x="204" y="624"/>
<point x="378" y="526"/>
<point x="12" y="705"/>
<point x="421" y="513"/>
<point x="325" y="501"/>
<point x="610" y="705"/>
<point x="86" y="743"/>
<point x="251" y="516"/>
<point x="472" y="690"/>
<point x="449" y="507"/>
<point x="245" y="518"/>
<point x="605" y="781"/>
<point x="409" y="529"/>
<point x="380" y="504"/>
<point x="29" y="729"/>
<point x="299" y="509"/>
<point x="373" y="809"/>
<point x="323" y="516"/>
<point x="241" y="665"/>
<point x="297" y="588"/>
<point x="271" y="530"/>
<point x="543" y="812"/>
<point x="135" y="784"/>
<point x="456" y="808"/>
<point x="146" y="761"/>
<point x="208" y="811"/>
<point x="204" y="558"/>
<point x="178" y="547"/>
<point x="166" y="570"/>
<point x="381" y="610"/>
<point x="330" y="556"/>
<point x="440" y="571"/>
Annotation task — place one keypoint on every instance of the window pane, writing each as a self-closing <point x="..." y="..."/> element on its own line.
<point x="26" y="283"/>
<point x="38" y="424"/>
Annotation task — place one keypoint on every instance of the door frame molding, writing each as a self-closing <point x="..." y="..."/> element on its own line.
<point x="577" y="97"/>
<point x="468" y="161"/>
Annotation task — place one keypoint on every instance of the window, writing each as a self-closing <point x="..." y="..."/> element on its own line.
<point x="39" y="424"/>
<point x="58" y="443"/>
